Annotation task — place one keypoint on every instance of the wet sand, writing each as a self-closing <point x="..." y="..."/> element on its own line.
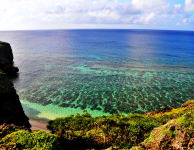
<point x="38" y="125"/>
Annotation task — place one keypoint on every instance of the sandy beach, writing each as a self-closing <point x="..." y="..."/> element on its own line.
<point x="38" y="125"/>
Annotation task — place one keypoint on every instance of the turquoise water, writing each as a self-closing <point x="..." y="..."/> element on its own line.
<point x="64" y="72"/>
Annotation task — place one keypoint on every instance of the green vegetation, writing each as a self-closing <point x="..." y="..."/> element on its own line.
<point x="118" y="131"/>
<point x="8" y="129"/>
<point x="175" y="134"/>
<point x="151" y="138"/>
<point x="24" y="139"/>
<point x="186" y="121"/>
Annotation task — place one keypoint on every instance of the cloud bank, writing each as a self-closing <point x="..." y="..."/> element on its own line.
<point x="189" y="5"/>
<point x="41" y="14"/>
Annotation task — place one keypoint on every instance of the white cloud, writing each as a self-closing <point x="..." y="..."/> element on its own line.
<point x="150" y="5"/>
<point x="181" y="13"/>
<point x="189" y="5"/>
<point x="178" y="9"/>
<point x="151" y="10"/>
<point x="24" y="14"/>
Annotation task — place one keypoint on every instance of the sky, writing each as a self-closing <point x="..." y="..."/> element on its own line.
<point x="111" y="14"/>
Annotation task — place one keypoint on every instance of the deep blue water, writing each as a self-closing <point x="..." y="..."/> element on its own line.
<point x="105" y="71"/>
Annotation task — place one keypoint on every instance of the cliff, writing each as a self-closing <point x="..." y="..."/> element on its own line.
<point x="11" y="111"/>
<point x="6" y="59"/>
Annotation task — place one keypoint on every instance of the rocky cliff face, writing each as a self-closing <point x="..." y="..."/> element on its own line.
<point x="11" y="111"/>
<point x="6" y="59"/>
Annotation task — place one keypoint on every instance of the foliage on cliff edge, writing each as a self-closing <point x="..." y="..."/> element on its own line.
<point x="156" y="130"/>
<point x="121" y="132"/>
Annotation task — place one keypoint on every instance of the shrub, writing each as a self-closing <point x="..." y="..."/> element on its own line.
<point x="6" y="129"/>
<point x="24" y="139"/>
<point x="117" y="130"/>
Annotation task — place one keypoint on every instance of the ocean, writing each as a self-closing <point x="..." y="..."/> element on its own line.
<point x="64" y="72"/>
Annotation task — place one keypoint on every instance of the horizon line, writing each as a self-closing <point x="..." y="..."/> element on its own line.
<point x="15" y="30"/>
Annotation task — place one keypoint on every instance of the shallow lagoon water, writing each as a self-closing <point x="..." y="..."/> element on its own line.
<point x="64" y="72"/>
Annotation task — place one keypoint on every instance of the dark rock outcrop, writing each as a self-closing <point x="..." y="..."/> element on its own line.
<point x="11" y="111"/>
<point x="6" y="59"/>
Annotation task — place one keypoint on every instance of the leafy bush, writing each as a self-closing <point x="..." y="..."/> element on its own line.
<point x="187" y="120"/>
<point x="79" y="122"/>
<point x="24" y="139"/>
<point x="187" y="123"/>
<point x="117" y="130"/>
<point x="164" y="117"/>
<point x="6" y="129"/>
